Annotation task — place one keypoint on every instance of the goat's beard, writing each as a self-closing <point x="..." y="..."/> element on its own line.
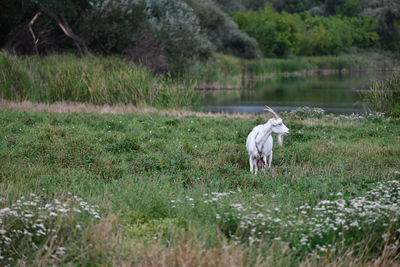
<point x="280" y="139"/>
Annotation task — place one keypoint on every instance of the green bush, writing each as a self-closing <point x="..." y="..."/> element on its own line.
<point x="276" y="33"/>
<point x="283" y="34"/>
<point x="332" y="35"/>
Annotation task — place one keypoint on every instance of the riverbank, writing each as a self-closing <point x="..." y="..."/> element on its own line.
<point x="151" y="188"/>
<point x="112" y="80"/>
<point x="227" y="72"/>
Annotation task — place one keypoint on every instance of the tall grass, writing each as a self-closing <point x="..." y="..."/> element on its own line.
<point x="384" y="95"/>
<point x="100" y="80"/>
<point x="177" y="190"/>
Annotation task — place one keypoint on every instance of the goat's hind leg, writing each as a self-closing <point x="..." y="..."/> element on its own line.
<point x="255" y="164"/>
<point x="251" y="164"/>
<point x="265" y="164"/>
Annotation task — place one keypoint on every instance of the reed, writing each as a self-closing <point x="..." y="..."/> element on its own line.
<point x="97" y="80"/>
<point x="384" y="95"/>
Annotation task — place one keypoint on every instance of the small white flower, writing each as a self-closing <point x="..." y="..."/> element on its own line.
<point x="60" y="251"/>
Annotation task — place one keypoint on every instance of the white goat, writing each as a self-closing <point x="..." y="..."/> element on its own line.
<point x="259" y="142"/>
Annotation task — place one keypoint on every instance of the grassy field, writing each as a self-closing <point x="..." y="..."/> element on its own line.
<point x="154" y="189"/>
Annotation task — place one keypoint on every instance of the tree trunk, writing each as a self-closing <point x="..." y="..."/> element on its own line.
<point x="21" y="33"/>
<point x="63" y="24"/>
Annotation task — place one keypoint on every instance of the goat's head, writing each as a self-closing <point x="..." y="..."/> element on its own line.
<point x="277" y="124"/>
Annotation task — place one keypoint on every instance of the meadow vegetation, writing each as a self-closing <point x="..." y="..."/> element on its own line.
<point x="152" y="189"/>
<point x="384" y="95"/>
<point x="149" y="184"/>
<point x="113" y="80"/>
<point x="97" y="80"/>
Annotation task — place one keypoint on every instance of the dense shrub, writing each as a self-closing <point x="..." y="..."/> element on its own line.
<point x="277" y="34"/>
<point x="282" y="34"/>
<point x="326" y="36"/>
<point x="332" y="35"/>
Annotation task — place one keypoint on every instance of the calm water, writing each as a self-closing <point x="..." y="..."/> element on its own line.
<point x="339" y="93"/>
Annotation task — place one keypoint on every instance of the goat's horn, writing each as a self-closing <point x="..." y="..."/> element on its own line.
<point x="271" y="111"/>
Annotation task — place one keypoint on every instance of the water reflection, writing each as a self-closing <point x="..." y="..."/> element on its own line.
<point x="341" y="93"/>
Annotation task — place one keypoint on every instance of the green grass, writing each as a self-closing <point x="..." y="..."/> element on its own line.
<point x="158" y="181"/>
<point x="97" y="80"/>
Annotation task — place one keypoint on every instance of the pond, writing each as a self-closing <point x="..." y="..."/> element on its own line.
<point x="337" y="93"/>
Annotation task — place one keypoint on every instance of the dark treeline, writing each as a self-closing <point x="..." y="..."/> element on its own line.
<point x="167" y="35"/>
<point x="162" y="34"/>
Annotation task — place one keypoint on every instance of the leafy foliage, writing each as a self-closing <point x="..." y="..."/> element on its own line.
<point x="177" y="27"/>
<point x="281" y="34"/>
<point x="223" y="31"/>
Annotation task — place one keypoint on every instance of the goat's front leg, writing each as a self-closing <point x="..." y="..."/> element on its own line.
<point x="270" y="160"/>
<point x="255" y="166"/>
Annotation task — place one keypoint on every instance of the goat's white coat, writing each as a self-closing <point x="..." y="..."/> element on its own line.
<point x="259" y="142"/>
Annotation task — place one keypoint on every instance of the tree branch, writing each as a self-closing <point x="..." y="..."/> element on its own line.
<point x="35" y="40"/>
<point x="63" y="24"/>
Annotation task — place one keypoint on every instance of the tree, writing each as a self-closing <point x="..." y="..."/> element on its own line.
<point x="32" y="25"/>
<point x="223" y="31"/>
<point x="176" y="25"/>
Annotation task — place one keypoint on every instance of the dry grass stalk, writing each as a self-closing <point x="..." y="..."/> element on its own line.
<point x="108" y="109"/>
